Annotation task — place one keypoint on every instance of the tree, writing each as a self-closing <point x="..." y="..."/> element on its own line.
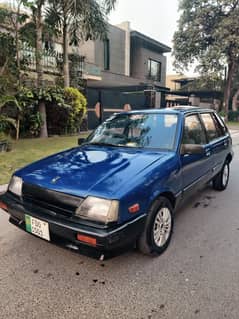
<point x="77" y="20"/>
<point x="16" y="17"/>
<point x="208" y="34"/>
<point x="37" y="11"/>
<point x="12" y="15"/>
<point x="8" y="69"/>
<point x="6" y="121"/>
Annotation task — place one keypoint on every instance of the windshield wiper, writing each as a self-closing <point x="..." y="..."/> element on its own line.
<point x="101" y="144"/>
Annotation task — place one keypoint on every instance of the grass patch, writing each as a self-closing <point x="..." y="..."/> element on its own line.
<point x="26" y="151"/>
<point x="233" y="124"/>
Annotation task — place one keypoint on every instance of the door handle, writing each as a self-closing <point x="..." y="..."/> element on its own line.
<point x="208" y="153"/>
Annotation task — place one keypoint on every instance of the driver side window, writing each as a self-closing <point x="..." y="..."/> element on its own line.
<point x="193" y="132"/>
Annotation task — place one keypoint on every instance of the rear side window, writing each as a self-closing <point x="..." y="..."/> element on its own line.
<point x="220" y="125"/>
<point x="193" y="131"/>
<point x="210" y="126"/>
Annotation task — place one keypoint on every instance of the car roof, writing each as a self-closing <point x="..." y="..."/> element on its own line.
<point x="172" y="110"/>
<point x="189" y="108"/>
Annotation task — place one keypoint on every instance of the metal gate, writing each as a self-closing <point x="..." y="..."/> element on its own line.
<point x="112" y="100"/>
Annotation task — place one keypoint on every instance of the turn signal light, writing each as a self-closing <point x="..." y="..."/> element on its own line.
<point x="3" y="205"/>
<point x="134" y="209"/>
<point x="87" y="239"/>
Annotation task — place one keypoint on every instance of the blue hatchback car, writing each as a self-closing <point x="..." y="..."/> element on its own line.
<point x="123" y="184"/>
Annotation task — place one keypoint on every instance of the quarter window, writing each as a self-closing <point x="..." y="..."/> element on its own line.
<point x="193" y="131"/>
<point x="220" y="125"/>
<point x="210" y="126"/>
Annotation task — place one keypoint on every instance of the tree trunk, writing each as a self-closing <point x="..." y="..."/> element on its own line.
<point x="39" y="51"/>
<point x="66" y="69"/>
<point x="18" y="59"/>
<point x="235" y="101"/>
<point x="228" y="87"/>
<point x="3" y="69"/>
<point x="42" y="110"/>
<point x="17" y="127"/>
<point x="39" y="67"/>
<point x="17" y="44"/>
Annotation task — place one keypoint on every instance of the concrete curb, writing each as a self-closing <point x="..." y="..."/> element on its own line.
<point x="3" y="188"/>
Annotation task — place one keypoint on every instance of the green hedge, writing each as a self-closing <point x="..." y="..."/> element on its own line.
<point x="233" y="116"/>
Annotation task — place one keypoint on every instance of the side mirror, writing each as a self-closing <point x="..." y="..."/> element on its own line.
<point x="191" y="149"/>
<point x="81" y="140"/>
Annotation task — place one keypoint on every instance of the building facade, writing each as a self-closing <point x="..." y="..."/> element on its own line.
<point x="125" y="58"/>
<point x="186" y="90"/>
<point x="126" y="68"/>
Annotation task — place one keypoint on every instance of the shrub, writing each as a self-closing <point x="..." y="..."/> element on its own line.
<point x="65" y="109"/>
<point x="5" y="143"/>
<point x="233" y="116"/>
<point x="77" y="102"/>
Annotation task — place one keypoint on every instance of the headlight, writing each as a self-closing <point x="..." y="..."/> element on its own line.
<point x="98" y="209"/>
<point x="15" y="186"/>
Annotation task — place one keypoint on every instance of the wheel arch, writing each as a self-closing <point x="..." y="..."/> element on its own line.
<point x="145" y="242"/>
<point x="229" y="158"/>
<point x="169" y="195"/>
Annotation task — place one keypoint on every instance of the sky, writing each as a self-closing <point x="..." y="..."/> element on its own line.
<point x="155" y="18"/>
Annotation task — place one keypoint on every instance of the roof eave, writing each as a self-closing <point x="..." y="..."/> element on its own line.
<point x="162" y="47"/>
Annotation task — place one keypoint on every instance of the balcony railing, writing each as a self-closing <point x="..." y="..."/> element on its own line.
<point x="51" y="60"/>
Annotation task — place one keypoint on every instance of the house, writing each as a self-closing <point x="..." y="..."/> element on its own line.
<point x="186" y="90"/>
<point x="127" y="57"/>
<point x="126" y="68"/>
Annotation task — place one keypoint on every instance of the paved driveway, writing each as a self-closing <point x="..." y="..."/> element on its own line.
<point x="197" y="277"/>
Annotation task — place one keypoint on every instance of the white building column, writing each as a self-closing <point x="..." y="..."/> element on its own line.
<point x="126" y="27"/>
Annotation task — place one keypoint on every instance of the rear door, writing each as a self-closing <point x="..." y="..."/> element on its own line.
<point x="196" y="168"/>
<point x="219" y="139"/>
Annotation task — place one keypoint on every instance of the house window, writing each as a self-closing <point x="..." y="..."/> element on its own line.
<point x="107" y="54"/>
<point x="154" y="70"/>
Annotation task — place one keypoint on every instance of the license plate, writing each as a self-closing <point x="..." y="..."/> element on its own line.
<point x="37" y="227"/>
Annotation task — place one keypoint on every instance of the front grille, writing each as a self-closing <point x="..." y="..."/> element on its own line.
<point x="57" y="202"/>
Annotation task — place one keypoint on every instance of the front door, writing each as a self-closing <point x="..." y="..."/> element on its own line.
<point x="196" y="168"/>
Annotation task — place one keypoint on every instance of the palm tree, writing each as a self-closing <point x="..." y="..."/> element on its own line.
<point x="37" y="12"/>
<point x="78" y="20"/>
<point x="5" y="121"/>
<point x="11" y="14"/>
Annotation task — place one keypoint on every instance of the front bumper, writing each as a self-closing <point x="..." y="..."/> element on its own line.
<point x="64" y="232"/>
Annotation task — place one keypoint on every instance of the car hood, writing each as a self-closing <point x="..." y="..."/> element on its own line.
<point x="90" y="170"/>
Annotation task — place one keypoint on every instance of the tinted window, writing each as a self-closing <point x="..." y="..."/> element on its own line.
<point x="210" y="126"/>
<point x="220" y="124"/>
<point x="137" y="130"/>
<point x="193" y="131"/>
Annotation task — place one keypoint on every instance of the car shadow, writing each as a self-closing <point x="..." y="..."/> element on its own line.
<point x="42" y="254"/>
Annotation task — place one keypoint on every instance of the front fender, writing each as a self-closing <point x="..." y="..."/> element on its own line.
<point x="147" y="188"/>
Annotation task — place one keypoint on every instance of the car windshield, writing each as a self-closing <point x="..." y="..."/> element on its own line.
<point x="137" y="130"/>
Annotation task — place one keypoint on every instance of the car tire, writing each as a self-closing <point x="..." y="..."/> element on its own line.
<point x="159" y="223"/>
<point x="220" y="181"/>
